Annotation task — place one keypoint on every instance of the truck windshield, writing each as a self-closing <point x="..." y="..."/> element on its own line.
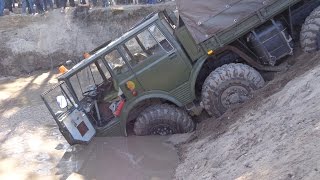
<point x="59" y="93"/>
<point x="89" y="78"/>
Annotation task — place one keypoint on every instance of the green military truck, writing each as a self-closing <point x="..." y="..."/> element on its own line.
<point x="169" y="67"/>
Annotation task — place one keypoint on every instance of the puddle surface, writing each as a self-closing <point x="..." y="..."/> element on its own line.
<point x="33" y="148"/>
<point x="121" y="158"/>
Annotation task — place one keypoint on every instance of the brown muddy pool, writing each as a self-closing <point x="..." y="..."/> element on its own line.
<point x="33" y="148"/>
<point x="121" y="158"/>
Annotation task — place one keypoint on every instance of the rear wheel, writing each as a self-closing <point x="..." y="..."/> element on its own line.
<point x="163" y="119"/>
<point x="310" y="32"/>
<point x="229" y="85"/>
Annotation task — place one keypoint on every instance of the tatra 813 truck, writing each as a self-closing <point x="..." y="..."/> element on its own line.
<point x="170" y="67"/>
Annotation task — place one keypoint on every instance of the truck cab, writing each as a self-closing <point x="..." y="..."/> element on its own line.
<point x="144" y="63"/>
<point x="166" y="69"/>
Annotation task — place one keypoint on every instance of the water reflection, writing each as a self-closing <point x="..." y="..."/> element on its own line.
<point x="121" y="158"/>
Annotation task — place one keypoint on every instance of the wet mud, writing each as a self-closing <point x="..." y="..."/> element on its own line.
<point x="119" y="158"/>
<point x="33" y="148"/>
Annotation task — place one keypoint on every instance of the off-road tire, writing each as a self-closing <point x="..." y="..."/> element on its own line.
<point x="168" y="118"/>
<point x="229" y="77"/>
<point x="310" y="32"/>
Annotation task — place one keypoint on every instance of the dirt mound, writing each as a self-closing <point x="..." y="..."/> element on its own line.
<point x="271" y="137"/>
<point x="30" y="43"/>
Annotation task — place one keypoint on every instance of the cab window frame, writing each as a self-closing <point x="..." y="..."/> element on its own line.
<point x="135" y="36"/>
<point x="74" y="81"/>
<point x="124" y="59"/>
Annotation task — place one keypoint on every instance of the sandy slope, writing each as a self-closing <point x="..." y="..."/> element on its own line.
<point x="268" y="138"/>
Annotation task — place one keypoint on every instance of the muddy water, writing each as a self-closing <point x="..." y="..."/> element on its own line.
<point x="121" y="158"/>
<point x="33" y="148"/>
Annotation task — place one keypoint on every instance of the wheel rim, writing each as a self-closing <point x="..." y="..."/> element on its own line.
<point x="162" y="130"/>
<point x="234" y="95"/>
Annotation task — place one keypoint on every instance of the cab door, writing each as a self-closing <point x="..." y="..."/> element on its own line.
<point x="156" y="63"/>
<point x="117" y="61"/>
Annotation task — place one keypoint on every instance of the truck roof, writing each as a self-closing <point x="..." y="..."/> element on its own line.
<point x="205" y="18"/>
<point x="104" y="50"/>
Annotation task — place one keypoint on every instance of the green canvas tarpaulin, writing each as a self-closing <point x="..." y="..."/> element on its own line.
<point x="205" y="18"/>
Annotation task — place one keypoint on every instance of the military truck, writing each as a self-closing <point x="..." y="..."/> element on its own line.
<point x="170" y="67"/>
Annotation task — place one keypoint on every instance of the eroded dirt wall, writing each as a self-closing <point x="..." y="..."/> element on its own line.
<point x="29" y="43"/>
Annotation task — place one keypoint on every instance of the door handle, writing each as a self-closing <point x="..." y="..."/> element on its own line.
<point x="172" y="55"/>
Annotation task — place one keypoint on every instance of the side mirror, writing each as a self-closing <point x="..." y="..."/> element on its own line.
<point x="62" y="101"/>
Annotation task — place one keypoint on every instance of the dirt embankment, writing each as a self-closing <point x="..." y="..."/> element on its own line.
<point x="275" y="136"/>
<point x="30" y="43"/>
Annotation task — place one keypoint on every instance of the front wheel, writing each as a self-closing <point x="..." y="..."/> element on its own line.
<point x="229" y="85"/>
<point x="163" y="119"/>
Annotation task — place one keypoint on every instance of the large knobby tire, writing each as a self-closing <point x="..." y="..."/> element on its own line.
<point x="310" y="32"/>
<point x="229" y="85"/>
<point x="163" y="119"/>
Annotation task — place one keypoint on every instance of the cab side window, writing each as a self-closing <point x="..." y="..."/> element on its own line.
<point x="116" y="63"/>
<point x="150" y="43"/>
<point x="160" y="38"/>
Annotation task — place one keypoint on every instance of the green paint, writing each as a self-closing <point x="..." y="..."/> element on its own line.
<point x="168" y="73"/>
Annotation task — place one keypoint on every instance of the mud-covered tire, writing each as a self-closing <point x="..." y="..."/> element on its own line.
<point x="163" y="119"/>
<point x="310" y="32"/>
<point x="230" y="83"/>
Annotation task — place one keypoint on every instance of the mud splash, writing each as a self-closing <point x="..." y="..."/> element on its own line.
<point x="141" y="158"/>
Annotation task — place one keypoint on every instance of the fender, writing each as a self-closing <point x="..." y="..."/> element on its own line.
<point x="195" y="72"/>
